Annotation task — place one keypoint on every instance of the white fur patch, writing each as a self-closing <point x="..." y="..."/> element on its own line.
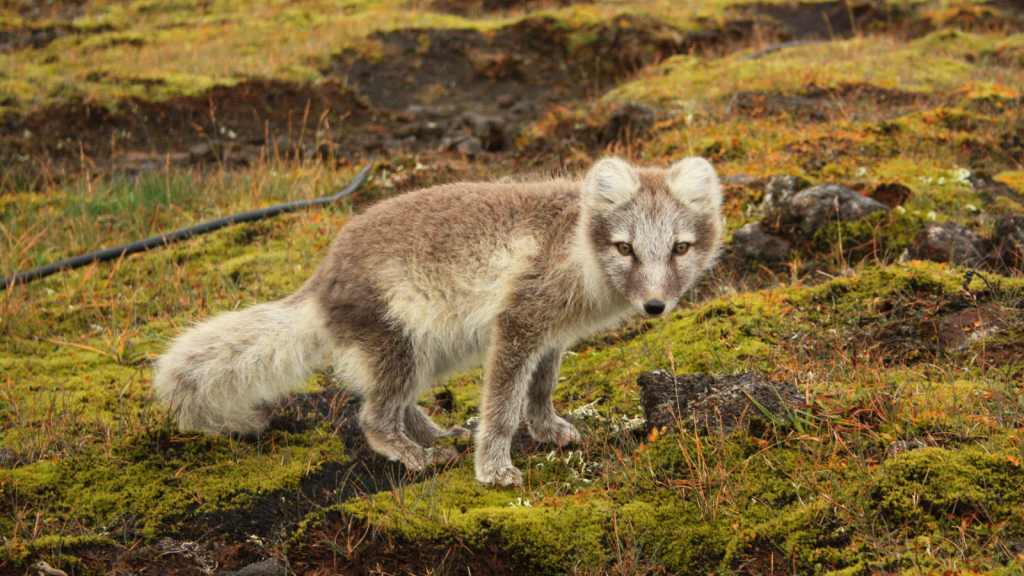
<point x="609" y="183"/>
<point x="694" y="182"/>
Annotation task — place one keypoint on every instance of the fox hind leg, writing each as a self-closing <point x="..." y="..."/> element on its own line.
<point x="389" y="382"/>
<point x="545" y="425"/>
<point x="422" y="429"/>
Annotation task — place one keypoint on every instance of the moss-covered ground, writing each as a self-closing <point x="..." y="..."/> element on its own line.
<point x="905" y="458"/>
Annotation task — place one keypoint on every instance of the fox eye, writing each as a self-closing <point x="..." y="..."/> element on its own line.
<point x="681" y="248"/>
<point x="624" y="248"/>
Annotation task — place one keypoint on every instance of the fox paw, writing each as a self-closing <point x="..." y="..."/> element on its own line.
<point x="508" y="476"/>
<point x="429" y="457"/>
<point x="456" y="432"/>
<point x="555" y="430"/>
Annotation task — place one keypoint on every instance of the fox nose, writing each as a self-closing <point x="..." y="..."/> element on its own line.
<point x="654" y="307"/>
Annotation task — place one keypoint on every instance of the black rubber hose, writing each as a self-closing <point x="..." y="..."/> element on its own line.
<point x="155" y="241"/>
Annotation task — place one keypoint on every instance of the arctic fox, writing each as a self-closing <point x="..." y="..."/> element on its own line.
<point x="436" y="280"/>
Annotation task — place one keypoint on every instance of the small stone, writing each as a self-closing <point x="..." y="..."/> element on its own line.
<point x="812" y="208"/>
<point x="268" y="567"/>
<point x="945" y="242"/>
<point x="490" y="130"/>
<point x="506" y="100"/>
<point x="752" y="242"/>
<point x="201" y="151"/>
<point x="471" y="146"/>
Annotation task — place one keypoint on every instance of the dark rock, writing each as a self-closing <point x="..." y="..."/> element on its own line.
<point x="812" y="208"/>
<point x="489" y="130"/>
<point x="752" y="242"/>
<point x="268" y="567"/>
<point x="758" y="104"/>
<point x="505" y="101"/>
<point x="892" y="194"/>
<point x="628" y="123"/>
<point x="946" y="242"/>
<point x="712" y="405"/>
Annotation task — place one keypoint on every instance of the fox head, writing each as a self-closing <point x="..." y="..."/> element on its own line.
<point x="652" y="231"/>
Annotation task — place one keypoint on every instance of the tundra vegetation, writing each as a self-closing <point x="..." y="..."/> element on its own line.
<point x="903" y="328"/>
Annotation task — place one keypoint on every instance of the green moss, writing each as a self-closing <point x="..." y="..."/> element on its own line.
<point x="158" y="479"/>
<point x="932" y="63"/>
<point x="924" y="487"/>
<point x="885" y="234"/>
<point x="59" y="552"/>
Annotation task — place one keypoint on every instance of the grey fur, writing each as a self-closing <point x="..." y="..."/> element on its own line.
<point x="439" y="279"/>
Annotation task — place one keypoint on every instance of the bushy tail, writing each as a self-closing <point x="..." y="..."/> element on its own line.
<point x="225" y="374"/>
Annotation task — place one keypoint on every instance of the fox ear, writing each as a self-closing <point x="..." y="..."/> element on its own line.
<point x="609" y="183"/>
<point x="693" y="182"/>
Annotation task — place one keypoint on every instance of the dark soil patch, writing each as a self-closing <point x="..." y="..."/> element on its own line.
<point x="377" y="554"/>
<point x="477" y="7"/>
<point x="229" y="126"/>
<point x="432" y="90"/>
<point x="828" y="20"/>
<point x="434" y="78"/>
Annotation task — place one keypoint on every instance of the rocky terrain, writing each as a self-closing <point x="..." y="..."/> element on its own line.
<point x="842" y="394"/>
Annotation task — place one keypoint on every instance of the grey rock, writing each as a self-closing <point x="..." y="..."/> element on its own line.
<point x="471" y="146"/>
<point x="946" y="242"/>
<point x="777" y="192"/>
<point x="754" y="243"/>
<point x="811" y="208"/>
<point x="490" y="130"/>
<point x="268" y="567"/>
<point x="202" y="152"/>
<point x="712" y="405"/>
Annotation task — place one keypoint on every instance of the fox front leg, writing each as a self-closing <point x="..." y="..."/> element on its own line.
<point x="513" y="359"/>
<point x="544" y="423"/>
